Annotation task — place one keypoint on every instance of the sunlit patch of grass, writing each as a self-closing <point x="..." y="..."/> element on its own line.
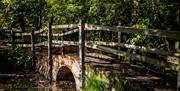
<point x="95" y="83"/>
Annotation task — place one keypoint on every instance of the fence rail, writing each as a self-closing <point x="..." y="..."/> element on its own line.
<point x="29" y="34"/>
<point x="99" y="45"/>
<point x="151" y="32"/>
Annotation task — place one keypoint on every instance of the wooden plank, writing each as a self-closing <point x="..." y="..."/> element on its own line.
<point x="20" y="45"/>
<point x="65" y="42"/>
<point x="178" y="76"/>
<point x="13" y="40"/>
<point x="119" y="43"/>
<point x="46" y="44"/>
<point x="62" y="34"/>
<point x="155" y="62"/>
<point x="17" y="42"/>
<point x="50" y="49"/>
<point x="82" y="51"/>
<point x="63" y="48"/>
<point x="99" y="55"/>
<point x="178" y="80"/>
<point x="141" y="48"/>
<point x="29" y="34"/>
<point x="56" y="43"/>
<point x="65" y="26"/>
<point x="33" y="65"/>
<point x="23" y="34"/>
<point x="17" y="75"/>
<point x="152" y="32"/>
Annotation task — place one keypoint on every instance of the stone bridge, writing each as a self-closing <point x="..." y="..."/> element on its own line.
<point x="63" y="65"/>
<point x="115" y="71"/>
<point x="67" y="67"/>
<point x="107" y="66"/>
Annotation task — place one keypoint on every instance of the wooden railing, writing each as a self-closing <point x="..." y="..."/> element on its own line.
<point x="99" y="45"/>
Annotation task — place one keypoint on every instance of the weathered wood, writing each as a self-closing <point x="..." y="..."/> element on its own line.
<point x="50" y="49"/>
<point x="22" y="45"/>
<point x="17" y="75"/>
<point x="33" y="65"/>
<point x="99" y="55"/>
<point x="13" y="40"/>
<point x="152" y="32"/>
<point x="152" y="61"/>
<point x="65" y="42"/>
<point x="65" y="26"/>
<point x="17" y="42"/>
<point x="82" y="51"/>
<point x="141" y="48"/>
<point x="63" y="48"/>
<point x="41" y="40"/>
<point x="58" y="42"/>
<point x="178" y="80"/>
<point x="55" y="43"/>
<point x="29" y="34"/>
<point x="178" y="76"/>
<point x="119" y="42"/>
<point x="63" y="34"/>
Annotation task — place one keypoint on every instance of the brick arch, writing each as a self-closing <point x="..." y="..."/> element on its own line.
<point x="70" y="62"/>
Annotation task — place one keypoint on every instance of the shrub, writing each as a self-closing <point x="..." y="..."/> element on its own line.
<point x="95" y="83"/>
<point x="19" y="58"/>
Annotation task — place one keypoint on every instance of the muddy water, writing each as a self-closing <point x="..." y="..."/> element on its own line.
<point x="27" y="84"/>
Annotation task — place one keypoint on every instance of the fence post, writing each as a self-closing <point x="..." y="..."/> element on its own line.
<point x="63" y="48"/>
<point x="50" y="48"/>
<point x="33" y="65"/>
<point x="119" y="42"/>
<point x="178" y="80"/>
<point x="178" y="70"/>
<point x="82" y="52"/>
<point x="13" y="39"/>
<point x="178" y="77"/>
<point x="41" y="46"/>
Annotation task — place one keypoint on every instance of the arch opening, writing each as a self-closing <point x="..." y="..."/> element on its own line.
<point x="65" y="79"/>
<point x="65" y="74"/>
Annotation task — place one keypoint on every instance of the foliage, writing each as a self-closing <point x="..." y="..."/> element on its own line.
<point x="18" y="13"/>
<point x="34" y="14"/>
<point x="22" y="14"/>
<point x="95" y="83"/>
<point x="99" y="83"/>
<point x="147" y="41"/>
<point x="19" y="58"/>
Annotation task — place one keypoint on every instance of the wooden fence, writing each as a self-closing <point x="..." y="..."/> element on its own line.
<point x="99" y="45"/>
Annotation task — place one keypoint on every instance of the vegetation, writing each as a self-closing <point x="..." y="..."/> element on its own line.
<point x="21" y="59"/>
<point x="160" y="14"/>
<point x="31" y="15"/>
<point x="34" y="14"/>
<point x="98" y="83"/>
<point x="16" y="59"/>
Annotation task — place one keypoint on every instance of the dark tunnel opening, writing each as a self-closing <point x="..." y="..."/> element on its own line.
<point x="65" y="74"/>
<point x="65" y="79"/>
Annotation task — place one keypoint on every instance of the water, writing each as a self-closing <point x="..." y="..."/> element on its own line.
<point x="32" y="84"/>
